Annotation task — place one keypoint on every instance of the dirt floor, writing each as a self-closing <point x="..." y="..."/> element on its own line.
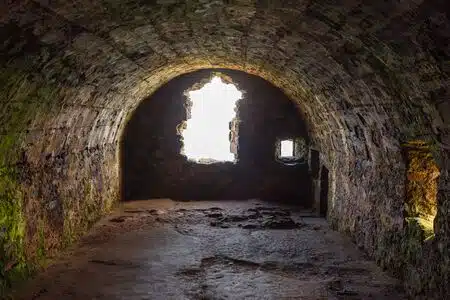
<point x="160" y="249"/>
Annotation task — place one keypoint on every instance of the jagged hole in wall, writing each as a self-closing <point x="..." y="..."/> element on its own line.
<point x="209" y="132"/>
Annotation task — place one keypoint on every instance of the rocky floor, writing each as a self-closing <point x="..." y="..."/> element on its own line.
<point x="162" y="249"/>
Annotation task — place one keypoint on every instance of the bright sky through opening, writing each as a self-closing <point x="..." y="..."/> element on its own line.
<point x="287" y="148"/>
<point x="207" y="131"/>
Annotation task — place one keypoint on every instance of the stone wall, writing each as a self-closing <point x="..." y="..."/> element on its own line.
<point x="154" y="168"/>
<point x="367" y="75"/>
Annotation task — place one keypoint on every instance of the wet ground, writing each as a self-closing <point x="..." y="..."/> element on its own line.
<point x="213" y="250"/>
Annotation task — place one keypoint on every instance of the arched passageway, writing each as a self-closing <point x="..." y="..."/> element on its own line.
<point x="370" y="77"/>
<point x="153" y="165"/>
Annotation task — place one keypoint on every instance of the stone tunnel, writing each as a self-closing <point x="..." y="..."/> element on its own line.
<point x="367" y="80"/>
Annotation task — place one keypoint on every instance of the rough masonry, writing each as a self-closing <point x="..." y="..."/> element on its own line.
<point x="368" y="76"/>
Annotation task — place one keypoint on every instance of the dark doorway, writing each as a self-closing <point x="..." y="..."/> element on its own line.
<point x="324" y="191"/>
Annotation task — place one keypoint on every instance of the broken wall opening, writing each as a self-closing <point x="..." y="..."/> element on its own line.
<point x="209" y="133"/>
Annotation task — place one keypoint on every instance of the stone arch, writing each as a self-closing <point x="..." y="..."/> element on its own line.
<point x="366" y="76"/>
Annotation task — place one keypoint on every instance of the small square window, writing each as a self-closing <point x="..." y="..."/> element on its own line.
<point x="292" y="150"/>
<point x="287" y="148"/>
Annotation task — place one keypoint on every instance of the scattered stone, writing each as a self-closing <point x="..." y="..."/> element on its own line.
<point x="267" y="208"/>
<point x="190" y="271"/>
<point x="281" y="224"/>
<point x="134" y="211"/>
<point x="104" y="262"/>
<point x="276" y="213"/>
<point x="253" y="216"/>
<point x="156" y="211"/>
<point x="234" y="218"/>
<point x="121" y="263"/>
<point x="215" y="215"/>
<point x="215" y="208"/>
<point x="249" y="226"/>
<point x="118" y="219"/>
